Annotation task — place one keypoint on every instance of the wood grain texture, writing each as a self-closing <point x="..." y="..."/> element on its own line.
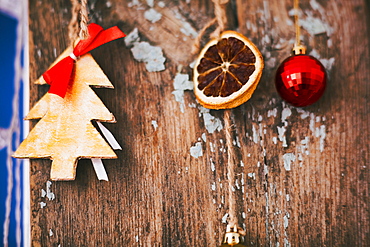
<point x="301" y="175"/>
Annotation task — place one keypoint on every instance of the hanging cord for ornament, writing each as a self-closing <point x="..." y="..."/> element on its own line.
<point x="73" y="24"/>
<point x="220" y="13"/>
<point x="84" y="20"/>
<point x="230" y="167"/>
<point x="78" y="29"/>
<point x="300" y="79"/>
<point x="233" y="231"/>
<point x="298" y="48"/>
<point x="220" y="19"/>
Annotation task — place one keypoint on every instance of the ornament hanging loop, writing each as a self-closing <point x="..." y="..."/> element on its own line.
<point x="220" y="16"/>
<point x="84" y="20"/>
<point x="220" y="19"/>
<point x="230" y="165"/>
<point x="78" y="29"/>
<point x="298" y="49"/>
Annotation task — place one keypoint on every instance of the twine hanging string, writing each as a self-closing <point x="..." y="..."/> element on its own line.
<point x="220" y="16"/>
<point x="74" y="25"/>
<point x="220" y="19"/>
<point x="298" y="47"/>
<point x="232" y="218"/>
<point x="84" y="20"/>
<point x="296" y="22"/>
<point x="230" y="167"/>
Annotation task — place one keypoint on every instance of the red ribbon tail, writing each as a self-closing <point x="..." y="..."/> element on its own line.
<point x="98" y="37"/>
<point x="59" y="76"/>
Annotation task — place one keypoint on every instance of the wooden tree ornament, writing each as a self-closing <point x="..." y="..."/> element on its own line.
<point x="65" y="132"/>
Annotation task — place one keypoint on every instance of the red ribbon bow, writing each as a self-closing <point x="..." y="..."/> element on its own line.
<point x="59" y="76"/>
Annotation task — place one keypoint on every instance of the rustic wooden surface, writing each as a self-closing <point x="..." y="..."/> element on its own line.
<point x="158" y="193"/>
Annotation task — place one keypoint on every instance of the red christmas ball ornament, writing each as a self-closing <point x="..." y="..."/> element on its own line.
<point x="300" y="79"/>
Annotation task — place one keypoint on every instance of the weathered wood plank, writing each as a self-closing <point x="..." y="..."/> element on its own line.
<point x="301" y="175"/>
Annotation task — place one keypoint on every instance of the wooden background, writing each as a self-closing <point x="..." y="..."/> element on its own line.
<point x="301" y="174"/>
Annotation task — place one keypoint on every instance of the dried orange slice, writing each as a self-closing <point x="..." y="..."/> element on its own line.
<point x="227" y="71"/>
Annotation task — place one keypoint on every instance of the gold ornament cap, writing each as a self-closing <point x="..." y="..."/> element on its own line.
<point x="232" y="237"/>
<point x="299" y="50"/>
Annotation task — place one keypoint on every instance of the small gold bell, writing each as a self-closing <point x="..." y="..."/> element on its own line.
<point x="232" y="237"/>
